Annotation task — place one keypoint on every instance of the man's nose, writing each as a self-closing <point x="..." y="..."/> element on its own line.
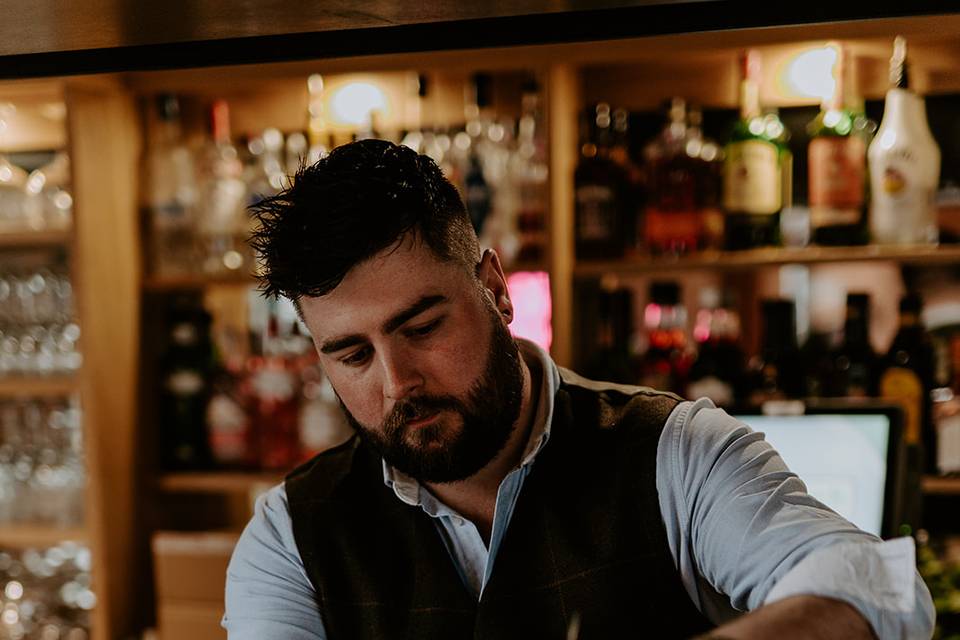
<point x="400" y="375"/>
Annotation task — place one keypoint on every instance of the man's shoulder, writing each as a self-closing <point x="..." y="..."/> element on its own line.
<point x="316" y="479"/>
<point x="613" y="404"/>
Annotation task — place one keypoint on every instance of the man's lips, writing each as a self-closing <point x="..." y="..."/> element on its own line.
<point x="423" y="420"/>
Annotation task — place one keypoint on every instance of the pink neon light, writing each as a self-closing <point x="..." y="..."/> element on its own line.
<point x="532" y="307"/>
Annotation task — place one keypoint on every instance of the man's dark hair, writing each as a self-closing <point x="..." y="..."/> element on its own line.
<point x="359" y="200"/>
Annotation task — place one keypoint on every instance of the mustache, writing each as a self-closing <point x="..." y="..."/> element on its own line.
<point x="410" y="409"/>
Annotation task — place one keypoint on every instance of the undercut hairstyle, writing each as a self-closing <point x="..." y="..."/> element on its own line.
<point x="359" y="200"/>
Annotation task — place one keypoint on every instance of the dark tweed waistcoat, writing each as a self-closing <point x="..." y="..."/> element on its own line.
<point x="586" y="537"/>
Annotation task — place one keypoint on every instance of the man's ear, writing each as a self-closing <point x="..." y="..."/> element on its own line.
<point x="494" y="283"/>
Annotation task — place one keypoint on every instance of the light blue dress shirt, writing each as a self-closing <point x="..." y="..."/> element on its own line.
<point x="741" y="527"/>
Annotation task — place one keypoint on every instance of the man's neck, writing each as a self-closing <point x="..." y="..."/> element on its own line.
<point x="476" y="497"/>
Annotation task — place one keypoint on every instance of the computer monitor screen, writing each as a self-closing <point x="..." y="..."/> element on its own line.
<point x="842" y="458"/>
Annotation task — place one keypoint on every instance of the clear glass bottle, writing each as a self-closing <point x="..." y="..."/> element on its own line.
<point x="224" y="223"/>
<point x="530" y="170"/>
<point x="171" y="195"/>
<point x="904" y="164"/>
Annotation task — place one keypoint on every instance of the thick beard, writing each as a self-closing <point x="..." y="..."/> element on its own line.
<point x="444" y="452"/>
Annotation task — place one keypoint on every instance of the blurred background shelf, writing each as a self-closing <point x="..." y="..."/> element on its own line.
<point x="217" y="482"/>
<point x="941" y="485"/>
<point x="196" y="283"/>
<point x="34" y="238"/>
<point x="34" y="386"/>
<point x="750" y="259"/>
<point x="30" y="535"/>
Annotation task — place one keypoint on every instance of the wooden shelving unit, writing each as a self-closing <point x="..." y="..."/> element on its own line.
<point x="217" y="482"/>
<point x="20" y="239"/>
<point x="754" y="258"/>
<point x="27" y="535"/>
<point x="196" y="283"/>
<point x="941" y="485"/>
<point x="32" y="387"/>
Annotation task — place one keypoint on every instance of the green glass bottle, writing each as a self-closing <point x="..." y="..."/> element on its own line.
<point x="757" y="171"/>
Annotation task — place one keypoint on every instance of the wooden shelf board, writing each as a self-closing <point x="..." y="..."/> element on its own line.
<point x="193" y="282"/>
<point x="16" y="239"/>
<point x="32" y="535"/>
<point x="734" y="260"/>
<point x="33" y="386"/>
<point x="216" y="481"/>
<point x="941" y="485"/>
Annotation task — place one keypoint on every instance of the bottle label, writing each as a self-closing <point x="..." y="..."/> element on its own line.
<point x="673" y="230"/>
<point x="904" y="387"/>
<point x="596" y="213"/>
<point x="902" y="210"/>
<point x="837" y="172"/>
<point x="751" y="178"/>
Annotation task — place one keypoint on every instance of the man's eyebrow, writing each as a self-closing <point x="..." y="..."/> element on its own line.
<point x="412" y="311"/>
<point x="426" y="302"/>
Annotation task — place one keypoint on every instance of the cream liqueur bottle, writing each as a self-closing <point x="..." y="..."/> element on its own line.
<point x="904" y="164"/>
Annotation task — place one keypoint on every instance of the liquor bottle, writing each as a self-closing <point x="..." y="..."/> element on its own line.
<point x="224" y="224"/>
<point x="908" y="378"/>
<point x="317" y="136"/>
<point x="274" y="386"/>
<point x="904" y="164"/>
<point x="855" y="362"/>
<point x="666" y="363"/>
<point x="776" y="372"/>
<point x="228" y="422"/>
<point x="757" y="166"/>
<point x="673" y="221"/>
<point x="709" y="166"/>
<point x="530" y="172"/>
<point x="816" y="361"/>
<point x="265" y="173"/>
<point x="610" y="357"/>
<point x="171" y="195"/>
<point x="837" y="166"/>
<point x="600" y="186"/>
<point x="717" y="372"/>
<point x="322" y="423"/>
<point x="477" y="191"/>
<point x="185" y="367"/>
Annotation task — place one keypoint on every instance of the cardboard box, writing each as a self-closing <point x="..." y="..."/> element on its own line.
<point x="192" y="566"/>
<point x="191" y="571"/>
<point x="190" y="621"/>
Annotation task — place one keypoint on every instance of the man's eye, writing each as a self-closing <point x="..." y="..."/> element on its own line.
<point x="425" y="330"/>
<point x="357" y="357"/>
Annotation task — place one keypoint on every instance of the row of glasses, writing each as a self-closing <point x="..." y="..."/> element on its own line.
<point x="46" y="593"/>
<point x="38" y="335"/>
<point x="36" y="201"/>
<point x="42" y="471"/>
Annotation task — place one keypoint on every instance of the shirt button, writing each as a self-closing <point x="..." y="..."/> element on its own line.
<point x="459" y="522"/>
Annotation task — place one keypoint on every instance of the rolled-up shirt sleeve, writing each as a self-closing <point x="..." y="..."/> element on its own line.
<point x="744" y="531"/>
<point x="268" y="594"/>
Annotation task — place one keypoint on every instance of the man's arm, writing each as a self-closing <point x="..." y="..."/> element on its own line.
<point x="740" y="524"/>
<point x="797" y="618"/>
<point x="268" y="594"/>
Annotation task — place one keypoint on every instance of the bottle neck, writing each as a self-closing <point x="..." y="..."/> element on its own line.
<point x="749" y="99"/>
<point x="904" y="109"/>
